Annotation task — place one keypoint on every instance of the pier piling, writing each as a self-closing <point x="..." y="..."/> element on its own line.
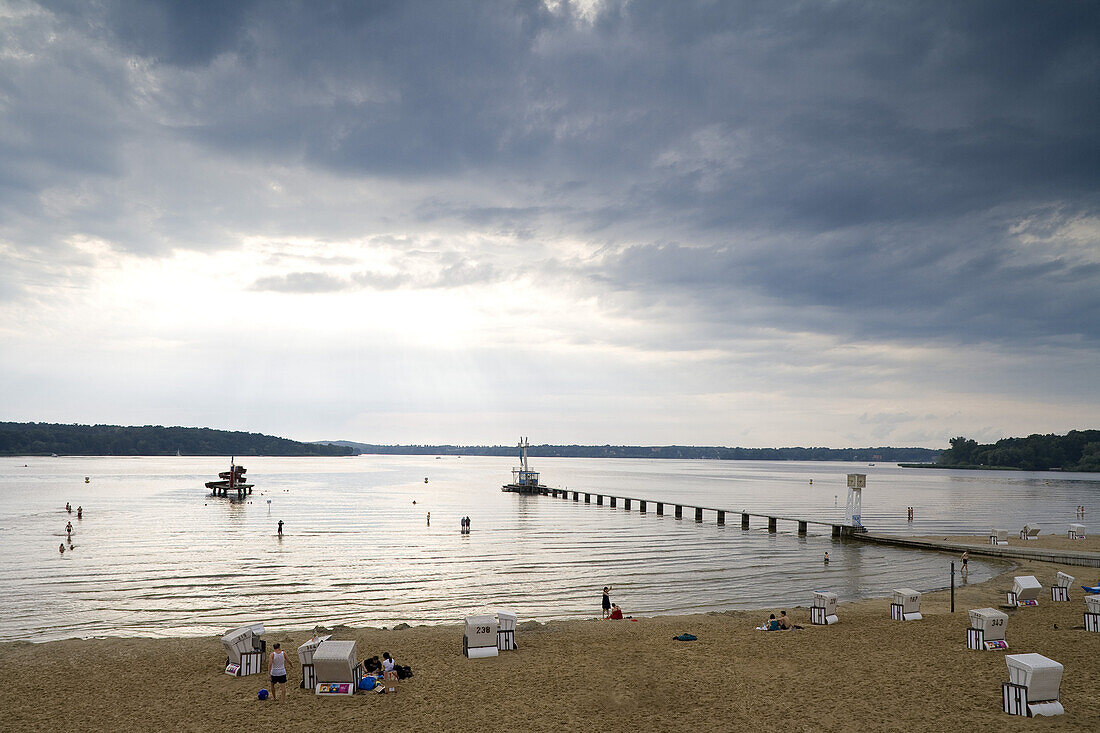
<point x="721" y="517"/>
<point x="744" y="521"/>
<point x="599" y="499"/>
<point x="679" y="512"/>
<point x="698" y="514"/>
<point x="660" y="509"/>
<point x="801" y="527"/>
<point x="588" y="498"/>
<point x="771" y="524"/>
<point x="641" y="506"/>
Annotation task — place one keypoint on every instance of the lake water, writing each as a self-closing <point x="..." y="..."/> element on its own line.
<point x="156" y="555"/>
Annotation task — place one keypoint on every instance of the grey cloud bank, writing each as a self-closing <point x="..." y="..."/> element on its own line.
<point x="724" y="222"/>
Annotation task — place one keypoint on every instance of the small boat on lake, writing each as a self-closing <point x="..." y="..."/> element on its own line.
<point x="231" y="480"/>
<point x="524" y="480"/>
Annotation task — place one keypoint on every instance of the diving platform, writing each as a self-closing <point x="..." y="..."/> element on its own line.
<point x="231" y="481"/>
<point x="524" y="480"/>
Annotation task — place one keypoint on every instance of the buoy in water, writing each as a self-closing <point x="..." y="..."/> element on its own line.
<point x="425" y="479"/>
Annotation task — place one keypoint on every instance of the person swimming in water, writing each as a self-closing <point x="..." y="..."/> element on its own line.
<point x="61" y="548"/>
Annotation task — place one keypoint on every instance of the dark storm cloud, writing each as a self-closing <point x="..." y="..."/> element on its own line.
<point x="863" y="163"/>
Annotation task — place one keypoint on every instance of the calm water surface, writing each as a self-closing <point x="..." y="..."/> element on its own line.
<point x="155" y="555"/>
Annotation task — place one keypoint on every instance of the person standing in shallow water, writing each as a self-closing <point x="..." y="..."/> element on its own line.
<point x="966" y="561"/>
<point x="280" y="527"/>
<point x="826" y="558"/>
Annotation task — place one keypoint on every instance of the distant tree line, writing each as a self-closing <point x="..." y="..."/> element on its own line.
<point x="666" y="451"/>
<point x="29" y="439"/>
<point x="1077" y="450"/>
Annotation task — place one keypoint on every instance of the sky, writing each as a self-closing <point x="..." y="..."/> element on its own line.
<point x="705" y="223"/>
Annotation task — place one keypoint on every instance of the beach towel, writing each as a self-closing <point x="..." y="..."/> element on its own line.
<point x="686" y="637"/>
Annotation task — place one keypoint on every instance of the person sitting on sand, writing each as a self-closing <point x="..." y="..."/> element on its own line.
<point x="784" y="621"/>
<point x="616" y="612"/>
<point x="372" y="665"/>
<point x="389" y="674"/>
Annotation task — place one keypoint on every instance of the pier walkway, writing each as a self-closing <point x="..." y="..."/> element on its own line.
<point x="1062" y="557"/>
<point x="589" y="497"/>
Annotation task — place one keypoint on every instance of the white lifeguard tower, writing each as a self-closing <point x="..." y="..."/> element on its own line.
<point x="853" y="511"/>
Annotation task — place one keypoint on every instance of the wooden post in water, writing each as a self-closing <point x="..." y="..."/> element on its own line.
<point x="836" y="530"/>
<point x="660" y="509"/>
<point x="576" y="496"/>
<point x="721" y="517"/>
<point x="744" y="521"/>
<point x="614" y="502"/>
<point x="599" y="499"/>
<point x="771" y="524"/>
<point x="952" y="587"/>
<point x="588" y="498"/>
<point x="641" y="505"/>
<point x="679" y="512"/>
<point x="626" y="503"/>
<point x="698" y="514"/>
<point x="801" y="527"/>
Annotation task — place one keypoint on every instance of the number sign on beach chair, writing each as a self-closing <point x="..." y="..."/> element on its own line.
<point x="480" y="639"/>
<point x="987" y="629"/>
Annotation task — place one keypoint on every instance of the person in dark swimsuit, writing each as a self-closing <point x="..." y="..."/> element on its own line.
<point x="606" y="601"/>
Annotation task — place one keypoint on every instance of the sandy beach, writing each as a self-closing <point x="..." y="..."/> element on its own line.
<point x="866" y="672"/>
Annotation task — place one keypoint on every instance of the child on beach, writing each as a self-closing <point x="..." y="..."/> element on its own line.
<point x="276" y="665"/>
<point x="606" y="601"/>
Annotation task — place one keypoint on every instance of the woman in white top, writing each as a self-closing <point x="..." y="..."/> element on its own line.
<point x="389" y="674"/>
<point x="276" y="665"/>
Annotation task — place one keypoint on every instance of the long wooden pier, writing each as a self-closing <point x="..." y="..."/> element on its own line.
<point x="1039" y="554"/>
<point x="628" y="502"/>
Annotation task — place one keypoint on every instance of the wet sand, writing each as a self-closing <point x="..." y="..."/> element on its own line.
<point x="864" y="673"/>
